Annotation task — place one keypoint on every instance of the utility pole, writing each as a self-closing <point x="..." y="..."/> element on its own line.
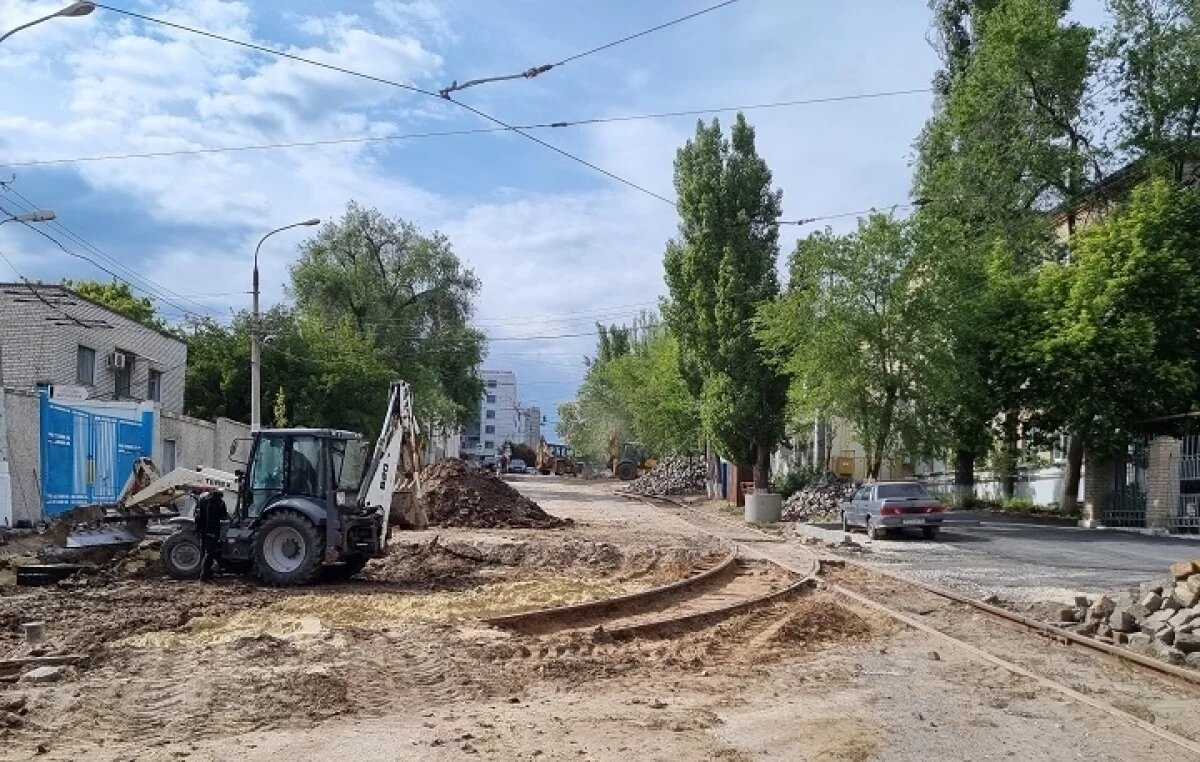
<point x="256" y="333"/>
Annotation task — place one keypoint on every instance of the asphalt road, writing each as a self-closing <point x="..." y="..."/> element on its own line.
<point x="1032" y="562"/>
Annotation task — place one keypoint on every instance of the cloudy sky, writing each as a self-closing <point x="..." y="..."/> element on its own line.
<point x="556" y="244"/>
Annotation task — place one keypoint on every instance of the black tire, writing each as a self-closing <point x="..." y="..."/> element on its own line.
<point x="873" y="532"/>
<point x="344" y="571"/>
<point x="181" y="555"/>
<point x="929" y="533"/>
<point x="288" y="550"/>
<point x="626" y="471"/>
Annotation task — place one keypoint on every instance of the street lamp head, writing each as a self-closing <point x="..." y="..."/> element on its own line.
<point x="313" y="221"/>
<point x="37" y="215"/>
<point x="78" y="8"/>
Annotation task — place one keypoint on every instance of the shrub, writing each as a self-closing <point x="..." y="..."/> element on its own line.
<point x="795" y="480"/>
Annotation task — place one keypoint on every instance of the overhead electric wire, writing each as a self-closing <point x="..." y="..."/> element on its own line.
<point x="86" y="258"/>
<point x="451" y="133"/>
<point x="535" y="71"/>
<point x="155" y="290"/>
<point x="394" y="83"/>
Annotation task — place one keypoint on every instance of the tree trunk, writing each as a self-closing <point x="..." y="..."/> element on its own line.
<point x="714" y="466"/>
<point x="1008" y="476"/>
<point x="964" y="476"/>
<point x="762" y="467"/>
<point x="885" y="429"/>
<point x="1069" y="499"/>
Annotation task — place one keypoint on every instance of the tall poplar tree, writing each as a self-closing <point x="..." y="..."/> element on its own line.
<point x="719" y="269"/>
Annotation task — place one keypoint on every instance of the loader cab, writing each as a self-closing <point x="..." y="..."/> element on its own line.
<point x="321" y="467"/>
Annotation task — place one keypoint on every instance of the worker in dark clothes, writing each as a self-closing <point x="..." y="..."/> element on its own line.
<point x="210" y="512"/>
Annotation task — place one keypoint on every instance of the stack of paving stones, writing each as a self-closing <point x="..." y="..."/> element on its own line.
<point x="1160" y="618"/>
<point x="674" y="475"/>
<point x="818" y="502"/>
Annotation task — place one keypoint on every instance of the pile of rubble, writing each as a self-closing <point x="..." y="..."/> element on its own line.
<point x="674" y="475"/>
<point x="819" y="502"/>
<point x="1161" y="618"/>
<point x="453" y="494"/>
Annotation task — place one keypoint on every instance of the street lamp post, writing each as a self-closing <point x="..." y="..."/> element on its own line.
<point x="74" y="10"/>
<point x="256" y="333"/>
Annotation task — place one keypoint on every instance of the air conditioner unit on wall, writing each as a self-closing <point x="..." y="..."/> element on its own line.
<point x="116" y="361"/>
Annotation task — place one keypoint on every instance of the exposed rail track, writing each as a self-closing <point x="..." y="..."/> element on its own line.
<point x="716" y="590"/>
<point x="1176" y="676"/>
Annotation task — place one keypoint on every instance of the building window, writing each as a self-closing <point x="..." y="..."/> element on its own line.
<point x="85" y="366"/>
<point x="491" y="398"/>
<point x="168" y="455"/>
<point x="154" y="385"/>
<point x="489" y="429"/>
<point x="123" y="380"/>
<point x="491" y="384"/>
<point x="490" y="415"/>
<point x="489" y="445"/>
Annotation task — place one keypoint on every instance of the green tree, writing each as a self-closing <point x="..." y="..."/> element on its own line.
<point x="1124" y="344"/>
<point x="406" y="290"/>
<point x="663" y="414"/>
<point x="857" y="334"/>
<point x="119" y="297"/>
<point x="1008" y="140"/>
<point x="1153" y="48"/>
<point x="719" y="269"/>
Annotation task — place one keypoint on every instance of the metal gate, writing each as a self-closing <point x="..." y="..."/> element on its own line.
<point x="1127" y="505"/>
<point x="86" y="456"/>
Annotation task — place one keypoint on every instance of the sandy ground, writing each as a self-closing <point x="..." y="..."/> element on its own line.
<point x="396" y="666"/>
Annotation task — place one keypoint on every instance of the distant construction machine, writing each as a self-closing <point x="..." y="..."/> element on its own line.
<point x="629" y="460"/>
<point x="556" y="459"/>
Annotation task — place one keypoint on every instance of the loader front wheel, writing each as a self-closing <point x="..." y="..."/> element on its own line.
<point x="626" y="471"/>
<point x="288" y="550"/>
<point x="181" y="555"/>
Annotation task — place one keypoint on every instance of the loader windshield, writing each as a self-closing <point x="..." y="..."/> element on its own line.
<point x="349" y="462"/>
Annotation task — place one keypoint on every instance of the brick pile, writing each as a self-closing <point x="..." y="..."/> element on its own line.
<point x="1161" y="618"/>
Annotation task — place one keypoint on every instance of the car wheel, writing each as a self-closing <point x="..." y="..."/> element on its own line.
<point x="288" y="550"/>
<point x="929" y="533"/>
<point x="181" y="555"/>
<point x="873" y="532"/>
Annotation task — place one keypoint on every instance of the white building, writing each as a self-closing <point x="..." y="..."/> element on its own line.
<point x="532" y="420"/>
<point x="500" y="418"/>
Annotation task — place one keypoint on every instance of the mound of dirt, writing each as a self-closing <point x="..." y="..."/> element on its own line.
<point x="454" y="494"/>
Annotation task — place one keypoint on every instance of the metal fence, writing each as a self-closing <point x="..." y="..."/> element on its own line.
<point x="1185" y="515"/>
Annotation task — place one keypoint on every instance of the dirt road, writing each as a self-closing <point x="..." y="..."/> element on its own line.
<point x="397" y="666"/>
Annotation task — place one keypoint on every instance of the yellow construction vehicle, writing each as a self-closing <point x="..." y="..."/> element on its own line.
<point x="556" y="459"/>
<point x="628" y="460"/>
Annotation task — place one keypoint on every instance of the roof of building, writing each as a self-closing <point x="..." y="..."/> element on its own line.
<point x="60" y="290"/>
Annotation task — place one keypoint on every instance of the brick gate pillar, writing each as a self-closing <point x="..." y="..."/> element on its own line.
<point x="1099" y="479"/>
<point x="1162" y="483"/>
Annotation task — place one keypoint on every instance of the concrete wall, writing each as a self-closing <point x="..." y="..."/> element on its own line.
<point x="22" y="423"/>
<point x="42" y="328"/>
<point x="229" y="431"/>
<point x="194" y="441"/>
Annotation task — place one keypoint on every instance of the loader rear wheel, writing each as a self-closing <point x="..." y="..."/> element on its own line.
<point x="288" y="550"/>
<point x="626" y="471"/>
<point x="181" y="555"/>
